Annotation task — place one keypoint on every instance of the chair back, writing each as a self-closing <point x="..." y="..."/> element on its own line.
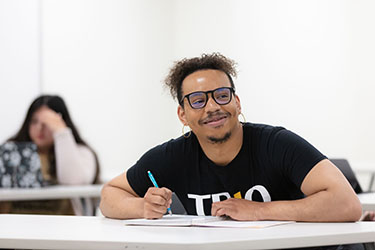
<point x="345" y="168"/>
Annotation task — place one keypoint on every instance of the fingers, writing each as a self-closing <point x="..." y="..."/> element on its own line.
<point x="214" y="208"/>
<point x="368" y="216"/>
<point x="223" y="208"/>
<point x="52" y="120"/>
<point x="222" y="212"/>
<point x="160" y="196"/>
<point x="237" y="209"/>
<point x="156" y="202"/>
<point x="372" y="216"/>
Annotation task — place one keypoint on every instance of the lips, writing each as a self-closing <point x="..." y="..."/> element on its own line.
<point x="40" y="137"/>
<point x="215" y="120"/>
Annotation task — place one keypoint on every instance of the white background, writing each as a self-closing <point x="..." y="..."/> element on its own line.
<point x="305" y="65"/>
<point x="19" y="62"/>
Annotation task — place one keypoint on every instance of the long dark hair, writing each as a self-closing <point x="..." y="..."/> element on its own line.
<point x="57" y="104"/>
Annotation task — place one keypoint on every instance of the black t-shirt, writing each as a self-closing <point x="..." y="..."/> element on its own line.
<point x="271" y="165"/>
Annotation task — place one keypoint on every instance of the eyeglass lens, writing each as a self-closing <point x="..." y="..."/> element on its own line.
<point x="221" y="96"/>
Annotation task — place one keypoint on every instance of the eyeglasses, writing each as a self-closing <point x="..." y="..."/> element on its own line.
<point x="198" y="100"/>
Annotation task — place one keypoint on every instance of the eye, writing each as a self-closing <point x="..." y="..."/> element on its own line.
<point x="197" y="101"/>
<point x="197" y="98"/>
<point x="34" y="121"/>
<point x="222" y="96"/>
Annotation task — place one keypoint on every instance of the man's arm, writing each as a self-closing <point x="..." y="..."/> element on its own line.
<point x="119" y="201"/>
<point x="329" y="197"/>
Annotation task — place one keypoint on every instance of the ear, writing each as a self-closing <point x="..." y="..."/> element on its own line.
<point x="238" y="104"/>
<point x="182" y="115"/>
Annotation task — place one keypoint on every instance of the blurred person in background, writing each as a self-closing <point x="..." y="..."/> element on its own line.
<point x="65" y="158"/>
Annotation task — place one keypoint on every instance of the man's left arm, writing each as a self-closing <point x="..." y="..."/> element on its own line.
<point x="329" y="198"/>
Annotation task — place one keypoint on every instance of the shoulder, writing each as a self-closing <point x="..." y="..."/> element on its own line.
<point x="272" y="137"/>
<point x="165" y="161"/>
<point x="263" y="131"/>
<point x="83" y="149"/>
<point x="173" y="148"/>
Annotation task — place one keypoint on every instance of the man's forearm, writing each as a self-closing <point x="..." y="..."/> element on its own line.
<point x="323" y="206"/>
<point x="329" y="197"/>
<point x="118" y="204"/>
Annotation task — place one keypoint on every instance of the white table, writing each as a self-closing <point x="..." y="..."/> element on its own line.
<point x="87" y="232"/>
<point x="367" y="201"/>
<point x="54" y="192"/>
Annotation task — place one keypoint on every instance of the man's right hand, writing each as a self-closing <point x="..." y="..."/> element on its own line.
<point x="156" y="202"/>
<point x="120" y="201"/>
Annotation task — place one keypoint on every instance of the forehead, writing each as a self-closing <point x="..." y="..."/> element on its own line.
<point x="204" y="80"/>
<point x="39" y="110"/>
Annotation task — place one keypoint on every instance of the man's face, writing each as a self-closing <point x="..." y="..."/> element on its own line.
<point x="214" y="122"/>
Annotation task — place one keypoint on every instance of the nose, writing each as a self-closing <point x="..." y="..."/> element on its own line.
<point x="40" y="126"/>
<point x="211" y="105"/>
<point x="44" y="127"/>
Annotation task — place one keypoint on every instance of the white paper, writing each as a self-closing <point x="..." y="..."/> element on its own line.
<point x="202" y="221"/>
<point x="243" y="224"/>
<point x="172" y="220"/>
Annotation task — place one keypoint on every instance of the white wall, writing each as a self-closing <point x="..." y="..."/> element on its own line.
<point x="19" y="62"/>
<point x="107" y="59"/>
<point x="305" y="65"/>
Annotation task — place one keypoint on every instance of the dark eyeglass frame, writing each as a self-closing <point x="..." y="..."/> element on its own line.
<point x="231" y="91"/>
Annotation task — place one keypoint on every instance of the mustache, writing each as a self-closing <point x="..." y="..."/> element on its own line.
<point x="214" y="116"/>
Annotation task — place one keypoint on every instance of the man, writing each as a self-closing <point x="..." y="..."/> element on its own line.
<point x="227" y="168"/>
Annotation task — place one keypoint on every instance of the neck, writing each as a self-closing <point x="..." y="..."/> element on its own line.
<point x="43" y="150"/>
<point x="223" y="153"/>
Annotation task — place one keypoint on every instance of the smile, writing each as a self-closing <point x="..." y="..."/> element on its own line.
<point x="215" y="121"/>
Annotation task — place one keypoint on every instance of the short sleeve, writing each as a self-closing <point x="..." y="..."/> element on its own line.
<point x="158" y="161"/>
<point x="294" y="155"/>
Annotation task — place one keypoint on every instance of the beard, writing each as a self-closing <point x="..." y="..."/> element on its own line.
<point x="216" y="140"/>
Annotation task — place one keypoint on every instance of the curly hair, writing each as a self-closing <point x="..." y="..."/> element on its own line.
<point x="181" y="69"/>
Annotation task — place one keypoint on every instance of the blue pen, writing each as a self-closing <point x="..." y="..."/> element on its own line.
<point x="156" y="185"/>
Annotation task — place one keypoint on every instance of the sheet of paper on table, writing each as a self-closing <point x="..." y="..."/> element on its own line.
<point x="202" y="221"/>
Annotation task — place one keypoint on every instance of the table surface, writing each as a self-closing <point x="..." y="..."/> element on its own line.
<point x="87" y="232"/>
<point x="51" y="192"/>
<point x="367" y="201"/>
